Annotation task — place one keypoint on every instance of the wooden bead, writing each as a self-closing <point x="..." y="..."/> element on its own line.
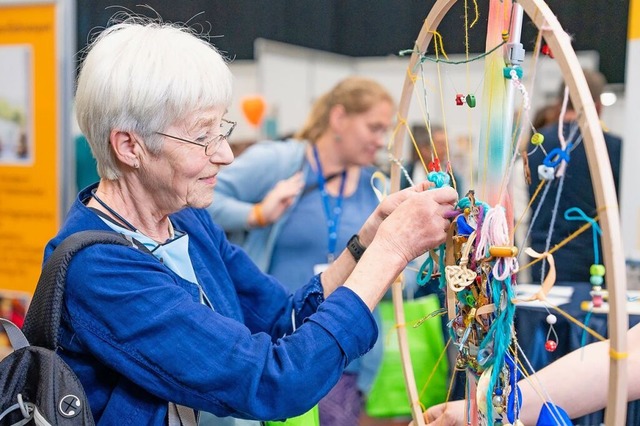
<point x="500" y="251"/>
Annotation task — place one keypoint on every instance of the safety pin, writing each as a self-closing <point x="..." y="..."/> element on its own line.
<point x="436" y="313"/>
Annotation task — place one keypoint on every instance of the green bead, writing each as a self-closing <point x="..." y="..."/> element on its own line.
<point x="471" y="101"/>
<point x="506" y="72"/>
<point x="537" y="139"/>
<point x="597" y="269"/>
<point x="596" y="280"/>
<point x="471" y="301"/>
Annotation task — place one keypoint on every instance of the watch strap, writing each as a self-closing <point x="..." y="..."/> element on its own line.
<point x="355" y="247"/>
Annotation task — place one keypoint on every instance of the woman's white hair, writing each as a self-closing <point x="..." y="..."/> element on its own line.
<point x="142" y="76"/>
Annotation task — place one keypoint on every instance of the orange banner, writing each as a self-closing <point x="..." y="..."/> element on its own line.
<point x="634" y="20"/>
<point x="29" y="145"/>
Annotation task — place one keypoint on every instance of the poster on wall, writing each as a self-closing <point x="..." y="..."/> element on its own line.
<point x="16" y="141"/>
<point x="31" y="139"/>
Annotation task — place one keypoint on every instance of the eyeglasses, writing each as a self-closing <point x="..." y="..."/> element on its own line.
<point x="211" y="146"/>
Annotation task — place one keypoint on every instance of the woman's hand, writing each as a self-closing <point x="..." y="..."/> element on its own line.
<point x="386" y="207"/>
<point x="278" y="200"/>
<point x="419" y="223"/>
<point x="447" y="414"/>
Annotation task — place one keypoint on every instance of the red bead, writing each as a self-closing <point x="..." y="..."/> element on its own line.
<point x="597" y="300"/>
<point x="434" y="166"/>
<point x="550" y="346"/>
<point x="459" y="99"/>
<point x="546" y="50"/>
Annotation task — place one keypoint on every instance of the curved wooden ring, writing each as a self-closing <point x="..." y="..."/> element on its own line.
<point x="599" y="167"/>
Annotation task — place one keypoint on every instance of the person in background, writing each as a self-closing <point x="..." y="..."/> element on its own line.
<point x="569" y="383"/>
<point x="546" y="115"/>
<point x="181" y="320"/>
<point x="433" y="150"/>
<point x="573" y="261"/>
<point x="293" y="204"/>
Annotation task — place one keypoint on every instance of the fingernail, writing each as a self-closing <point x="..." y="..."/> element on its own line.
<point x="451" y="214"/>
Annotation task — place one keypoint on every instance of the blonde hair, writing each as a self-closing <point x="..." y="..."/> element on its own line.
<point x="356" y="94"/>
<point x="141" y="76"/>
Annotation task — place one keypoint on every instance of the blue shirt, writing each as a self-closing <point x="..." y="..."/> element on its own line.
<point x="137" y="335"/>
<point x="303" y="240"/>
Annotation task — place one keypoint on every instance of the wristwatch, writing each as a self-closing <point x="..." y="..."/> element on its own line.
<point x="355" y="247"/>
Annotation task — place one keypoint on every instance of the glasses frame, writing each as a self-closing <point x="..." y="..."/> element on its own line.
<point x="213" y="145"/>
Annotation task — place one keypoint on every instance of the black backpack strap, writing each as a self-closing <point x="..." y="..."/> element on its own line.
<point x="42" y="323"/>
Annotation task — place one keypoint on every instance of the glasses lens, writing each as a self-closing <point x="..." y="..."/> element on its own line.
<point x="213" y="146"/>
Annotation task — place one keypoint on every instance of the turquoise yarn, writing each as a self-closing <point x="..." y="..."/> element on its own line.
<point x="465" y="202"/>
<point x="425" y="276"/>
<point x="498" y="337"/>
<point x="576" y="213"/>
<point x="440" y="179"/>
<point x="426" y="269"/>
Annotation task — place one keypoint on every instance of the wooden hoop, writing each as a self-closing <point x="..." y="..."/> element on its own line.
<point x="603" y="185"/>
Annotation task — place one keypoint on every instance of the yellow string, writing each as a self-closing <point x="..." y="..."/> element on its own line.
<point x="475" y="4"/>
<point x="450" y="389"/>
<point x="435" y="367"/>
<point x="439" y="46"/>
<point x="535" y="384"/>
<point x="579" y="324"/>
<point x="535" y="195"/>
<point x="437" y="40"/>
<point x="618" y="355"/>
<point x="401" y="122"/>
<point x="415" y="146"/>
<point x="562" y="243"/>
<point x="413" y="77"/>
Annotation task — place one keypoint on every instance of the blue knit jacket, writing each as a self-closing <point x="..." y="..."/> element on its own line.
<point x="137" y="336"/>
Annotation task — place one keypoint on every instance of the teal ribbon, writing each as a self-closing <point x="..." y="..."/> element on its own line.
<point x="576" y="213"/>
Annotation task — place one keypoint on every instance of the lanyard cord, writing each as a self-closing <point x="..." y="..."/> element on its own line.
<point x="124" y="221"/>
<point x="332" y="215"/>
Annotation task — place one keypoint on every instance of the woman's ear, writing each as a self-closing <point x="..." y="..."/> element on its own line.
<point x="337" y="116"/>
<point x="125" y="147"/>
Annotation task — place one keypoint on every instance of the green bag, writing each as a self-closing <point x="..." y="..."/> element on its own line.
<point x="310" y="418"/>
<point x="388" y="396"/>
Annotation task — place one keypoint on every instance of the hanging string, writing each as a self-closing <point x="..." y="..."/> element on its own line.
<point x="444" y="115"/>
<point x="424" y="57"/>
<point x="563" y="142"/>
<point x="540" y="390"/>
<point x="552" y="223"/>
<point x="524" y="212"/>
<point x="526" y="106"/>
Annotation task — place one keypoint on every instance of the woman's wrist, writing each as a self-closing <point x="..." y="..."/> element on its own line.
<point x="368" y="230"/>
<point x="257" y="216"/>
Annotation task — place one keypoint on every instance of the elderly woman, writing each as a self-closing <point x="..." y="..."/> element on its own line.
<point x="192" y="320"/>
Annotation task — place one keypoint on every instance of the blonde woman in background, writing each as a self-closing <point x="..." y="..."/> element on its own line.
<point x="295" y="204"/>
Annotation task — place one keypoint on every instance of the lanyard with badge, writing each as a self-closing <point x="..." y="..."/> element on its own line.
<point x="332" y="214"/>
